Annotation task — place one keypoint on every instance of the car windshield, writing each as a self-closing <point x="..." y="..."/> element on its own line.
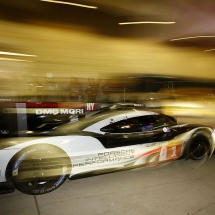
<point x="77" y="124"/>
<point x="140" y="124"/>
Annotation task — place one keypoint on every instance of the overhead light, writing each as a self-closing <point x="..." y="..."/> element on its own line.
<point x="69" y="3"/>
<point x="146" y="22"/>
<point x="187" y="38"/>
<point x="17" y="54"/>
<point x="209" y="50"/>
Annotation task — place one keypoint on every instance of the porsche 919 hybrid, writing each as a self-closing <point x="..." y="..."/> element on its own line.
<point x="102" y="141"/>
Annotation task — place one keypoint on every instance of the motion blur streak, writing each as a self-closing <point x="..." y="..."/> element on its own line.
<point x="16" y="54"/>
<point x="195" y="37"/>
<point x="146" y="22"/>
<point x="69" y="3"/>
<point x="12" y="59"/>
<point x="83" y="52"/>
<point x="209" y="50"/>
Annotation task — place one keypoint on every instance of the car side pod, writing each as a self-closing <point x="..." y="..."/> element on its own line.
<point x="6" y="187"/>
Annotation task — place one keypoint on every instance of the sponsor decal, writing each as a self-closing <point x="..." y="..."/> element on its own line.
<point x="17" y="164"/>
<point x="49" y="108"/>
<point x="19" y="161"/>
<point x="62" y="177"/>
<point x="39" y="191"/>
<point x="59" y="111"/>
<point x="166" y="130"/>
<point x="104" y="157"/>
<point x="90" y="106"/>
<point x="50" y="189"/>
<point x="153" y="144"/>
<point x="172" y="150"/>
<point x="15" y="172"/>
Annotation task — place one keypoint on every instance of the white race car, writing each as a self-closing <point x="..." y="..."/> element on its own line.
<point x="103" y="141"/>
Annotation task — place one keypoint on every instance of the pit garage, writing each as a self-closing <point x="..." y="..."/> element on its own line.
<point x="66" y="62"/>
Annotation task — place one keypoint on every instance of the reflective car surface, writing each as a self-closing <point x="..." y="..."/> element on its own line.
<point x="107" y="140"/>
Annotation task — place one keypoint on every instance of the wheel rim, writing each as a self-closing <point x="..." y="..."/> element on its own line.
<point x="198" y="149"/>
<point x="39" y="172"/>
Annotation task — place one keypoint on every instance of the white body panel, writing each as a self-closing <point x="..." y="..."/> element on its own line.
<point x="87" y="154"/>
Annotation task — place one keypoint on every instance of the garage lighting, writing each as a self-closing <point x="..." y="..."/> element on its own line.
<point x="16" y="54"/>
<point x="209" y="50"/>
<point x="187" y="38"/>
<point x="146" y="22"/>
<point x="69" y="3"/>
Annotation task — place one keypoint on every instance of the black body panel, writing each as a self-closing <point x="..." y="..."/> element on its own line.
<point x="118" y="140"/>
<point x="109" y="140"/>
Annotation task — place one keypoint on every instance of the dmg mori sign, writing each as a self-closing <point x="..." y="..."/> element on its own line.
<point x="59" y="111"/>
<point x="48" y="108"/>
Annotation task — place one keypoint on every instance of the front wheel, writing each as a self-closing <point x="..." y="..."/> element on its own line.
<point x="39" y="169"/>
<point x="199" y="146"/>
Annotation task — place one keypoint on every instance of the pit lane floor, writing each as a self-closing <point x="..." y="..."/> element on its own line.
<point x="181" y="187"/>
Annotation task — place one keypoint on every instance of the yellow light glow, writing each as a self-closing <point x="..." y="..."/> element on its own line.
<point x="209" y="50"/>
<point x="146" y="22"/>
<point x="194" y="37"/>
<point x="16" y="54"/>
<point x="69" y="3"/>
<point x="12" y="59"/>
<point x="29" y="132"/>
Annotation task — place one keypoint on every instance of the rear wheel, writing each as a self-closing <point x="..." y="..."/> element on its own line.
<point x="39" y="169"/>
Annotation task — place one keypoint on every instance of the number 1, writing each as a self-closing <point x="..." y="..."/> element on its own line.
<point x="173" y="151"/>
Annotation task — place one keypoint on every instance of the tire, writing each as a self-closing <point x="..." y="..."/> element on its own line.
<point x="198" y="147"/>
<point x="39" y="169"/>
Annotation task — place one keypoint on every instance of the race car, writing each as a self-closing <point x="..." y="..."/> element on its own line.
<point x="107" y="140"/>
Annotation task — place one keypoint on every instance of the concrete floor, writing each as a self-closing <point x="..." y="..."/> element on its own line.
<point x="178" y="188"/>
<point x="181" y="187"/>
